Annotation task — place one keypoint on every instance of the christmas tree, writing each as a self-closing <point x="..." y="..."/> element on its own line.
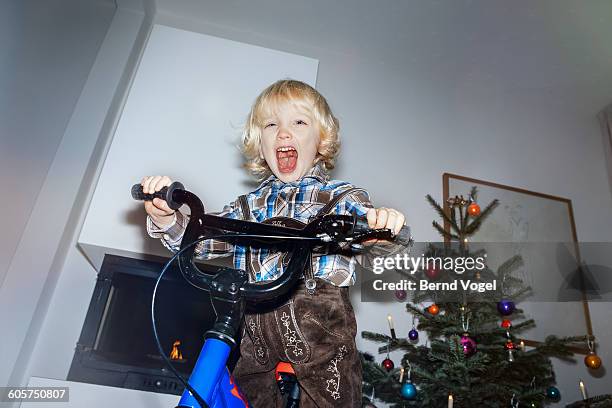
<point x="474" y="356"/>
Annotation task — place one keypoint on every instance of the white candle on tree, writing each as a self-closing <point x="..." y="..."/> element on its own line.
<point x="583" y="390"/>
<point x="391" y="327"/>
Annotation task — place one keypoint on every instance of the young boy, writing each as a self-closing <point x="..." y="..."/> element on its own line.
<point x="290" y="141"/>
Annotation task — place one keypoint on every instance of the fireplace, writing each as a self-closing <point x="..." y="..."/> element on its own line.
<point x="117" y="347"/>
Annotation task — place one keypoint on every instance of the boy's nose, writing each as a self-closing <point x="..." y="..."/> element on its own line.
<point x="284" y="133"/>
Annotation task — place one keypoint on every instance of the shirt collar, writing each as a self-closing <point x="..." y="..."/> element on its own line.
<point x="317" y="172"/>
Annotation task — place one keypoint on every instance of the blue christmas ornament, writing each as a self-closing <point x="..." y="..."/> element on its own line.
<point x="409" y="391"/>
<point x="553" y="394"/>
<point x="413" y="335"/>
<point x="505" y="307"/>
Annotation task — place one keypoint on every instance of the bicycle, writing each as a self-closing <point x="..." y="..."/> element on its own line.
<point x="210" y="383"/>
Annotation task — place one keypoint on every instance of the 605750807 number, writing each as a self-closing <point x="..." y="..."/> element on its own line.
<point x="21" y="394"/>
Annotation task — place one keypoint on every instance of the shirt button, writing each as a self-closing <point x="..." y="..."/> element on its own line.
<point x="166" y="237"/>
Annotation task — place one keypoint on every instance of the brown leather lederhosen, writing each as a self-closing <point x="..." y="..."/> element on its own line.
<point x="314" y="330"/>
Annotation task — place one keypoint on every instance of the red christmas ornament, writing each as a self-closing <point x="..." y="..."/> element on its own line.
<point x="506" y="324"/>
<point x="474" y="209"/>
<point x="509" y="346"/>
<point x="388" y="364"/>
<point x="433" y="309"/>
<point x="432" y="272"/>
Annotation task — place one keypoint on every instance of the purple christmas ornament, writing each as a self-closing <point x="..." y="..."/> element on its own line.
<point x="505" y="307"/>
<point x="413" y="335"/>
<point x="401" y="295"/>
<point x="468" y="344"/>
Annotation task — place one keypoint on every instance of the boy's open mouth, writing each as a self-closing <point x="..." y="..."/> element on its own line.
<point x="286" y="157"/>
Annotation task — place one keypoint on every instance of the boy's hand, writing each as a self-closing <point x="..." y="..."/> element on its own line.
<point x="385" y="218"/>
<point x="158" y="209"/>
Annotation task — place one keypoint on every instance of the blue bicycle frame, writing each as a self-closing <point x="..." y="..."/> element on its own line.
<point x="212" y="379"/>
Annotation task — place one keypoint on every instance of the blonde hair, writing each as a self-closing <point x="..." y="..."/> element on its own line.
<point x="303" y="96"/>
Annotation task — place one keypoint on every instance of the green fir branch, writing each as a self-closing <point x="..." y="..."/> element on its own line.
<point x="510" y="266"/>
<point x="440" y="210"/>
<point x="521" y="294"/>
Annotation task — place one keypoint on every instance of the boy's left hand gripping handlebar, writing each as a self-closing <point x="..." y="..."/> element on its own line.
<point x="165" y="194"/>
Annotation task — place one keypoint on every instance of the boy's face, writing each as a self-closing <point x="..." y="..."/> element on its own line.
<point x="289" y="142"/>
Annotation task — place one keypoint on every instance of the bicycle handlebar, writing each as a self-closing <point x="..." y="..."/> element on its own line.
<point x="329" y="229"/>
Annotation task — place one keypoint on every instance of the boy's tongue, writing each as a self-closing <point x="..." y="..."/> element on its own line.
<point x="287" y="161"/>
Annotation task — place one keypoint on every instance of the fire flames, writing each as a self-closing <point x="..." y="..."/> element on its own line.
<point x="176" y="354"/>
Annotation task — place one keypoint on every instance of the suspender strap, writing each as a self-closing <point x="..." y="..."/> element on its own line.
<point x="246" y="215"/>
<point x="244" y="207"/>
<point x="329" y="207"/>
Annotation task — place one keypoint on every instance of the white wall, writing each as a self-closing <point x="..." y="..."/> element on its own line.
<point x="48" y="235"/>
<point x="48" y="49"/>
<point x="412" y="123"/>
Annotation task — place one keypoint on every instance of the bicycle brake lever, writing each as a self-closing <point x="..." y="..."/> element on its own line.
<point x="345" y="228"/>
<point x="382" y="233"/>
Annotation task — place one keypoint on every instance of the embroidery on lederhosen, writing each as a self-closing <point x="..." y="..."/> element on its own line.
<point x="294" y="343"/>
<point x="259" y="343"/>
<point x="333" y="384"/>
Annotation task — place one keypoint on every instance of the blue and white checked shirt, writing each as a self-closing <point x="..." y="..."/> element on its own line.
<point x="300" y="200"/>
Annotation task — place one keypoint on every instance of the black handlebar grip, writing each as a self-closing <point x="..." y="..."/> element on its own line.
<point x="404" y="237"/>
<point x="138" y="194"/>
<point x="165" y="194"/>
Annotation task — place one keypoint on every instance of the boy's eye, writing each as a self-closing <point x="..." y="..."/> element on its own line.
<point x="269" y="125"/>
<point x="300" y="122"/>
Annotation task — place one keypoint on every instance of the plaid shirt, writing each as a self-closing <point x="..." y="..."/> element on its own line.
<point x="300" y="200"/>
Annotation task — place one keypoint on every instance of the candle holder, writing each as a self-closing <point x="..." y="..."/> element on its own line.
<point x="600" y="401"/>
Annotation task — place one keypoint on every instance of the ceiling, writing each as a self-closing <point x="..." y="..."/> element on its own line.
<point x="543" y="44"/>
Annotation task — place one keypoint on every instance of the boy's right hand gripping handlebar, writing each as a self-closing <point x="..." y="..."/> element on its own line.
<point x="165" y="194"/>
